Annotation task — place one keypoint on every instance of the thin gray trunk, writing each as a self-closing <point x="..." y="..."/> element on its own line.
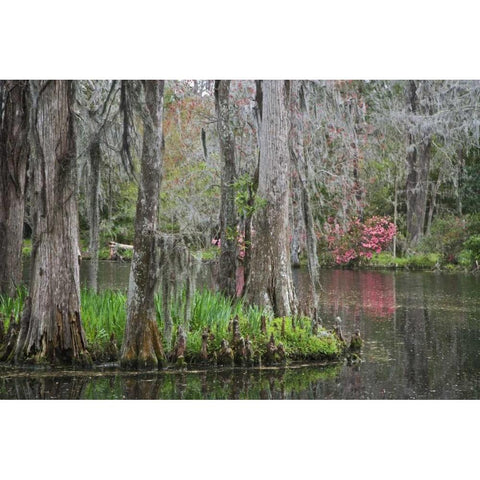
<point x="270" y="281"/>
<point x="14" y="152"/>
<point x="417" y="187"/>
<point x="433" y="202"/>
<point x="94" y="212"/>
<point x="296" y="221"/>
<point x="51" y="327"/>
<point x="228" y="219"/>
<point x="459" y="173"/>
<point x="252" y="189"/>
<point x="395" y="210"/>
<point x="142" y="347"/>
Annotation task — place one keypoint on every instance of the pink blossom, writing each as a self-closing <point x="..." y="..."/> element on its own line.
<point x="359" y="240"/>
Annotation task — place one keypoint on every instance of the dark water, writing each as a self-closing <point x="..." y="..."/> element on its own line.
<point x="422" y="333"/>
<point x="422" y="341"/>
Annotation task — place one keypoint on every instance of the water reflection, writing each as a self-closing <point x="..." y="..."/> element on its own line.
<point x="421" y="331"/>
<point x="308" y="382"/>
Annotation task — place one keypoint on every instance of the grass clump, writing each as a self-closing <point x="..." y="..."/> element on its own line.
<point x="418" y="261"/>
<point x="299" y="342"/>
<point x="104" y="317"/>
<point x="11" y="307"/>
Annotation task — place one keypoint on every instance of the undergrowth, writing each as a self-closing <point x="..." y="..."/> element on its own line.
<point x="104" y="314"/>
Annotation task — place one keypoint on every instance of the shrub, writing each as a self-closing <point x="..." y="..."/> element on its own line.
<point x="470" y="255"/>
<point x="446" y="237"/>
<point x="359" y="240"/>
<point x="423" y="261"/>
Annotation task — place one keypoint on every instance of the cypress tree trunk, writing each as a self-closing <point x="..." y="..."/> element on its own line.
<point x="142" y="347"/>
<point x="299" y="161"/>
<point x="14" y="152"/>
<point x="270" y="281"/>
<point x="228" y="220"/>
<point x="51" y="328"/>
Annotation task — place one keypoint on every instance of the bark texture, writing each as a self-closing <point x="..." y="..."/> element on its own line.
<point x="270" y="281"/>
<point x="297" y="154"/>
<point x="14" y="152"/>
<point x="142" y="346"/>
<point x="228" y="220"/>
<point x="51" y="329"/>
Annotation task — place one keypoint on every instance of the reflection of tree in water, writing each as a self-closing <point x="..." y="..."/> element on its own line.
<point x="416" y="366"/>
<point x="140" y="387"/>
<point x="46" y="387"/>
<point x="236" y="384"/>
<point x="433" y="331"/>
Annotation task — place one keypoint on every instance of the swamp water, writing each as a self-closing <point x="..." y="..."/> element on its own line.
<point x="421" y="341"/>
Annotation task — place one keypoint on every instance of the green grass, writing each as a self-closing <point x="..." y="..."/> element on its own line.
<point x="12" y="307"/>
<point x="427" y="261"/>
<point x="105" y="313"/>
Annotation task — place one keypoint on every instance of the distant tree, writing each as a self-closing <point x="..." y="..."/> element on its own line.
<point x="228" y="218"/>
<point x="14" y="152"/>
<point x="419" y="152"/>
<point x="51" y="328"/>
<point x="142" y="347"/>
<point x="423" y="129"/>
<point x="95" y="99"/>
<point x="270" y="281"/>
<point x="190" y="198"/>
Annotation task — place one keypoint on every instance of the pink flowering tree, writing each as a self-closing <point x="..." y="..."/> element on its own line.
<point x="359" y="239"/>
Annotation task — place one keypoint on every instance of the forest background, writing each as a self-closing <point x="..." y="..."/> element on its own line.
<point x="365" y="40"/>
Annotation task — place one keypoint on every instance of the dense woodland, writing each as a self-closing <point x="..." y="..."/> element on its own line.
<point x="262" y="175"/>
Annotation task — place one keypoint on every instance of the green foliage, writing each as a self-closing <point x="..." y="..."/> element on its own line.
<point x="103" y="314"/>
<point x="473" y="224"/>
<point x="27" y="248"/>
<point x="427" y="261"/>
<point x="215" y="311"/>
<point x="120" y="225"/>
<point x="11" y="307"/>
<point x="423" y="261"/>
<point x="210" y="253"/>
<point x="446" y="237"/>
<point x="300" y="343"/>
<point x="470" y="255"/>
<point x="246" y="201"/>
<point x="470" y="187"/>
<point x="187" y="196"/>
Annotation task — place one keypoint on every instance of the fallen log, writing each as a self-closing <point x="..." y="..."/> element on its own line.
<point x="115" y="246"/>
